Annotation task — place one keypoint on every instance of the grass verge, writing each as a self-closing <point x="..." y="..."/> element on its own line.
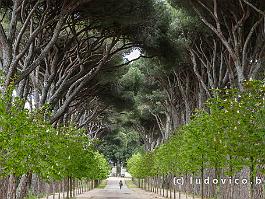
<point x="130" y="184"/>
<point x="102" y="184"/>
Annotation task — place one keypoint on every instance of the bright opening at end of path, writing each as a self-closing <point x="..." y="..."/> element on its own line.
<point x="134" y="54"/>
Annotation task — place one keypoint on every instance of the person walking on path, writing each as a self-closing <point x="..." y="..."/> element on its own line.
<point x="120" y="183"/>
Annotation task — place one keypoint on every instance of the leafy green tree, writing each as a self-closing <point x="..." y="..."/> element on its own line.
<point x="120" y="145"/>
<point x="140" y="165"/>
<point x="229" y="136"/>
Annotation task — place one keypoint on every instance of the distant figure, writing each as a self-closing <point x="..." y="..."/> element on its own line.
<point x="120" y="183"/>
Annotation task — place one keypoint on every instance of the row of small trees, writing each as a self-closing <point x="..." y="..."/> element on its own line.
<point x="30" y="145"/>
<point x="227" y="136"/>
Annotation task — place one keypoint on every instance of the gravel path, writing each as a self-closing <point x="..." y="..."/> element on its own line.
<point x="113" y="191"/>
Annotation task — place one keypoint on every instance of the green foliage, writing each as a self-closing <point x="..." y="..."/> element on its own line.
<point x="140" y="165"/>
<point x="120" y="145"/>
<point x="140" y="85"/>
<point x="29" y="144"/>
<point x="134" y="165"/>
<point x="133" y="79"/>
<point x="230" y="135"/>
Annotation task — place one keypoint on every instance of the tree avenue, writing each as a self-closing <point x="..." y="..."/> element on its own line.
<point x="188" y="108"/>
<point x="213" y="139"/>
<point x="55" y="59"/>
<point x="29" y="145"/>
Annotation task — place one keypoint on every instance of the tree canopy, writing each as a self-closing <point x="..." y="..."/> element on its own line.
<point x="68" y="86"/>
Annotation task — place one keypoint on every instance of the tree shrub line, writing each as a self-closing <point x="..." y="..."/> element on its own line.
<point x="30" y="145"/>
<point x="227" y="136"/>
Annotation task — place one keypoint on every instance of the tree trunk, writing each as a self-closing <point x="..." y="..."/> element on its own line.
<point x="240" y="76"/>
<point x="11" y="191"/>
<point x="35" y="184"/>
<point x="168" y="126"/>
<point x="202" y="176"/>
<point x="22" y="188"/>
<point x="3" y="187"/>
<point x="252" y="168"/>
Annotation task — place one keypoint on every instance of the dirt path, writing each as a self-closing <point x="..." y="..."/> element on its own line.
<point x="112" y="191"/>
